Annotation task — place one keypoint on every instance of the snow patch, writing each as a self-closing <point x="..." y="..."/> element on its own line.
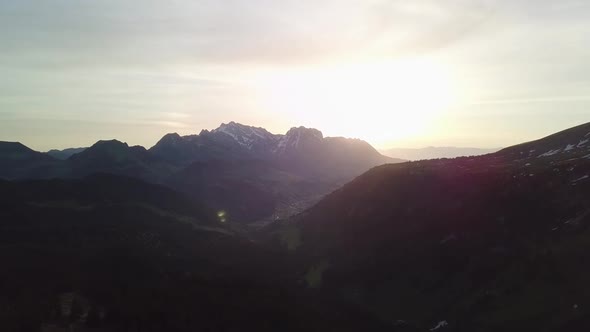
<point x="296" y="143"/>
<point x="569" y="147"/>
<point x="245" y="135"/>
<point x="583" y="142"/>
<point x="440" y="325"/>
<point x="224" y="130"/>
<point x="282" y="143"/>
<point x="549" y="153"/>
<point x="258" y="133"/>
<point x="581" y="179"/>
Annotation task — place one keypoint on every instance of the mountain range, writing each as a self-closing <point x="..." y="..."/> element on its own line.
<point x="301" y="150"/>
<point x="497" y="242"/>
<point x="222" y="167"/>
<point x="65" y="154"/>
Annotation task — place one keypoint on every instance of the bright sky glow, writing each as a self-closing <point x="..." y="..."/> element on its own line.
<point x="376" y="101"/>
<point x="396" y="73"/>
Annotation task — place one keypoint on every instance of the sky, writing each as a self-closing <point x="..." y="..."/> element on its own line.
<point x="478" y="73"/>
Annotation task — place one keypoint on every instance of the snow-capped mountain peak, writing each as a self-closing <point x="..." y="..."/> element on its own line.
<point x="237" y="141"/>
<point x="247" y="136"/>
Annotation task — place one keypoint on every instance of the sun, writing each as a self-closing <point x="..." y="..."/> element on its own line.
<point x="380" y="102"/>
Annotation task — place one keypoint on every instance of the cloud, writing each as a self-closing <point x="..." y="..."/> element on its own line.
<point x="68" y="33"/>
<point x="140" y="32"/>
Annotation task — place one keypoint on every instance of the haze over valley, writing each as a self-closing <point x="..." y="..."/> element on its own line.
<point x="433" y="152"/>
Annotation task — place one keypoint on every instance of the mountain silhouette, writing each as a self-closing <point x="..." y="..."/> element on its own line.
<point x="18" y="161"/>
<point x="482" y="243"/>
<point x="64" y="154"/>
<point x="248" y="172"/>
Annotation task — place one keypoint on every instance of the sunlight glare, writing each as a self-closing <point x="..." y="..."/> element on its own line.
<point x="379" y="102"/>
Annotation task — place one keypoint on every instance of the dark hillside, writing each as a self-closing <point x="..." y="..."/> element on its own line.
<point x="490" y="243"/>
<point x="115" y="254"/>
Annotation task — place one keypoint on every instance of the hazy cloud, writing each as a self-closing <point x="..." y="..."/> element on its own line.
<point x="62" y="32"/>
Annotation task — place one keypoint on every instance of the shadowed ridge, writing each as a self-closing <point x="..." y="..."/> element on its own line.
<point x="571" y="140"/>
<point x="19" y="161"/>
<point x="470" y="240"/>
